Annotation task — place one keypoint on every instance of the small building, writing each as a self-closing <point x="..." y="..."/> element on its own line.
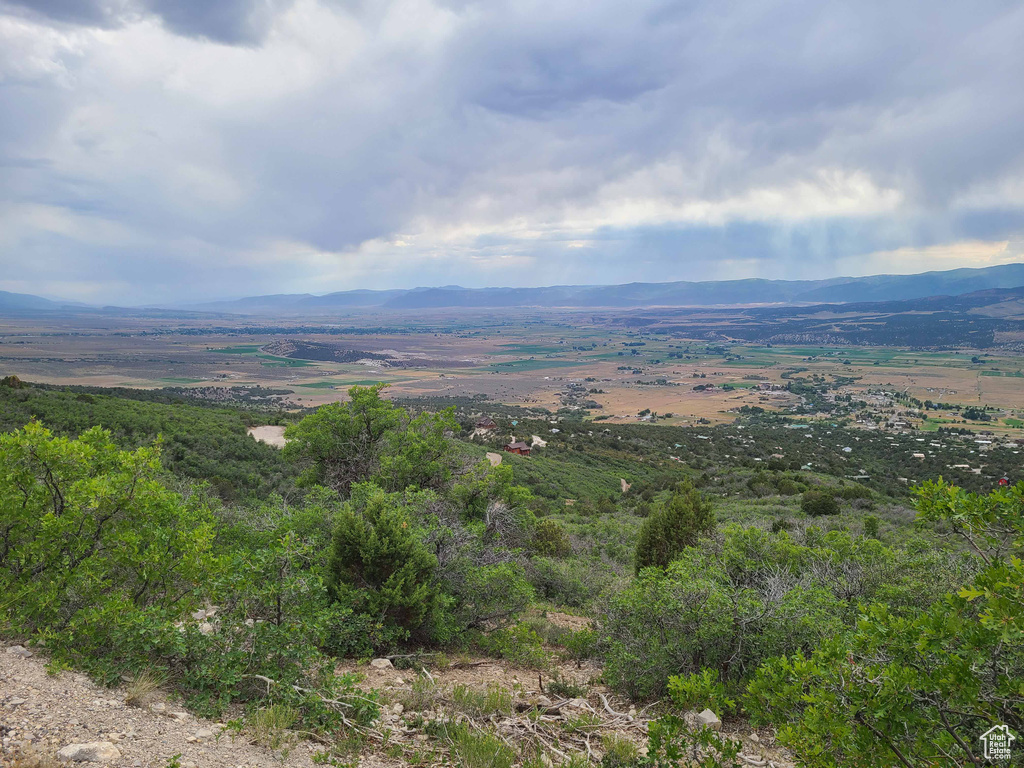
<point x="519" y="447"/>
<point x="1004" y="481"/>
<point x="486" y="423"/>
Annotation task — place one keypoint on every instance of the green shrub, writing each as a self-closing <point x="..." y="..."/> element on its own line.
<point x="520" y="645"/>
<point x="379" y="565"/>
<point x="474" y="749"/>
<point x="701" y="690"/>
<point x="619" y="752"/>
<point x="817" y="503"/>
<point x="565" y="689"/>
<point x="871" y="523"/>
<point x="674" y="527"/>
<point x="918" y="689"/>
<point x="572" y="582"/>
<point x="550" y="538"/>
<point x="672" y="743"/>
<point x="580" y="645"/>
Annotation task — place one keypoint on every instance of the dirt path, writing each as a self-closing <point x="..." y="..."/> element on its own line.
<point x="494" y="458"/>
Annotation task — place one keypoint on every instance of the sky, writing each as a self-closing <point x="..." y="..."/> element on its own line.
<point x="185" y="150"/>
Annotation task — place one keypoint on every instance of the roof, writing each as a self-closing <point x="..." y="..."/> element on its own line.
<point x="521" y="446"/>
<point x="486" y="421"/>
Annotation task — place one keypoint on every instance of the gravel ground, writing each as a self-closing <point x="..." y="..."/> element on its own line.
<point x="44" y="713"/>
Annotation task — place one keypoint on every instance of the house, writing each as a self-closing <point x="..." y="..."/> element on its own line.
<point x="521" y="448"/>
<point x="486" y="423"/>
<point x="1004" y="481"/>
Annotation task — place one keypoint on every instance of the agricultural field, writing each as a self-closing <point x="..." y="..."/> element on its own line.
<point x="597" y="365"/>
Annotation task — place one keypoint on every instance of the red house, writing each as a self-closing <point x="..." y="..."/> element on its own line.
<point x="1004" y="481"/>
<point x="521" y="448"/>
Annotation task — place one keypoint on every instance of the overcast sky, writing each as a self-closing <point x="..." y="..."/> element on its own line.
<point x="157" y="150"/>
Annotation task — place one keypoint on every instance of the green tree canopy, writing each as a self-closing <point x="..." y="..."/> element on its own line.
<point x="371" y="439"/>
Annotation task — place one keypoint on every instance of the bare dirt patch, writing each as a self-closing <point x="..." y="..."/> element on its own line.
<point x="271" y="435"/>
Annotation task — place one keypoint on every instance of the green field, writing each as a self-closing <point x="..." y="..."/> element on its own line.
<point x="1006" y="374"/>
<point x="242" y="349"/>
<point x="334" y="384"/>
<point x="531" y="349"/>
<point x="535" y="365"/>
<point x="180" y="380"/>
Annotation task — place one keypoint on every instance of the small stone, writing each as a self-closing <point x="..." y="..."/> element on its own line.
<point x="19" y="650"/>
<point x="709" y="719"/>
<point x="755" y="738"/>
<point x="199" y="615"/>
<point x="179" y="716"/>
<point x="93" y="752"/>
<point x="399" y="681"/>
<point x="376" y="663"/>
<point x="204" y="733"/>
<point x="398" y="709"/>
<point x="543" y="701"/>
<point x="158" y="709"/>
<point x="16" y="702"/>
<point x="206" y="628"/>
<point x="191" y="739"/>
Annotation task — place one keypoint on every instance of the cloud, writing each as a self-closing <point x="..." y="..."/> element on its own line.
<point x="226" y="21"/>
<point x="158" y="150"/>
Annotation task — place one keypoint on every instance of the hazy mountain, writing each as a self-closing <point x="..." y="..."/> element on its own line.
<point x="682" y="293"/>
<point x="24" y="302"/>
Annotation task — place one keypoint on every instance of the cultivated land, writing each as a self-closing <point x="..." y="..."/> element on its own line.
<point x="549" y="360"/>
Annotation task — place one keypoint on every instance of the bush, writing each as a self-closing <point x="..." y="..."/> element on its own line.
<point x="674" y="527"/>
<point x="871" y="523"/>
<point x="573" y="582"/>
<point x="701" y="690"/>
<point x="379" y="565"/>
<point x="550" y="538"/>
<point x="914" y="690"/>
<point x="817" y="503"/>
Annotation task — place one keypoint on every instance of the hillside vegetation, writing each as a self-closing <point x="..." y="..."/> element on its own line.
<point x="871" y="622"/>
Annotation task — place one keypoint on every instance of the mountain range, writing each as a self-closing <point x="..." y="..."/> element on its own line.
<point x="839" y="290"/>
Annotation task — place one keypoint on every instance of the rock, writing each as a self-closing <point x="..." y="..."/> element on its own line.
<point x="398" y="709"/>
<point x="382" y="664"/>
<point x="93" y="752"/>
<point x="206" y="628"/>
<point x="158" y="709"/>
<point x="179" y="716"/>
<point x="755" y="738"/>
<point x="199" y="615"/>
<point x="709" y="719"/>
<point x="544" y="701"/>
<point x="205" y="733"/>
<point x="15" y="702"/>
<point x="18" y="650"/>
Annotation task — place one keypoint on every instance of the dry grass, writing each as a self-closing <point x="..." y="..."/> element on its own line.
<point x="141" y="686"/>
<point x="33" y="759"/>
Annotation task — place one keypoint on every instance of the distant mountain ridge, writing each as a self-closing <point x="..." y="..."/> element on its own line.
<point x="25" y="302"/>
<point x="839" y="290"/>
<point x="751" y="291"/>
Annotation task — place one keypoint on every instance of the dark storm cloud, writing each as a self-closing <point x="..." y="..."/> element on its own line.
<point x="229" y="21"/>
<point x="345" y="144"/>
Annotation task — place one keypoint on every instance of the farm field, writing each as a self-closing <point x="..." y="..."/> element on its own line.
<point x="595" y="363"/>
